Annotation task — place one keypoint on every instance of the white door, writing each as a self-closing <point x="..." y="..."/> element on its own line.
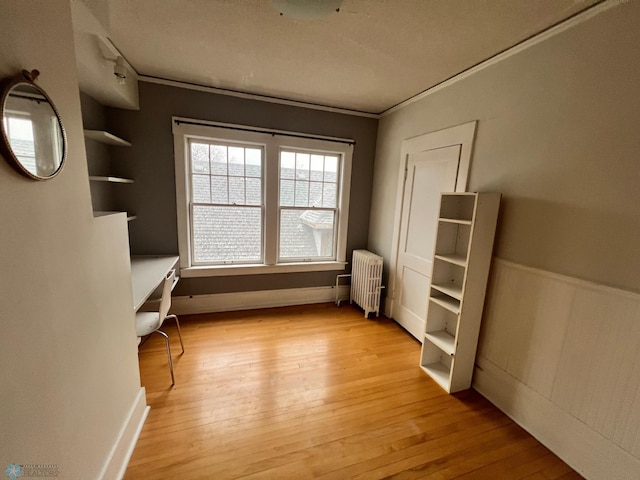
<point x="428" y="173"/>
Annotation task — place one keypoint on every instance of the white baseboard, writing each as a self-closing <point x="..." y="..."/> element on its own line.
<point x="584" y="449"/>
<point x="226" y="302"/>
<point x="118" y="459"/>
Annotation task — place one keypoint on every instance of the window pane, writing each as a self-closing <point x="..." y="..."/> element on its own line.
<point x="228" y="167"/>
<point x="330" y="169"/>
<point x="200" y="189"/>
<point x="199" y="158"/>
<point x="218" y="159"/>
<point x="315" y="194"/>
<point x="254" y="191"/>
<point x="317" y="167"/>
<point x="302" y="194"/>
<point x="287" y="192"/>
<point x="236" y="190"/>
<point x="236" y="161"/>
<point x="253" y="162"/>
<point x="20" y="129"/>
<point x="306" y="234"/>
<point x="226" y="234"/>
<point x="287" y="165"/>
<point x="315" y="177"/>
<point x="20" y="132"/>
<point x="329" y="197"/>
<point x="219" y="193"/>
<point x="302" y="166"/>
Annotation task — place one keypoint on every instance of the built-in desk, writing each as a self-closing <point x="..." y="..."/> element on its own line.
<point x="147" y="272"/>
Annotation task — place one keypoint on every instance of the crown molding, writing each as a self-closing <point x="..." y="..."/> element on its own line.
<point x="254" y="96"/>
<point x="550" y="32"/>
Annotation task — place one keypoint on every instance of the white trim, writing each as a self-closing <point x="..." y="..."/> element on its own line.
<point x="224" y="270"/>
<point x="121" y="451"/>
<point x="255" y="96"/>
<point x="530" y="42"/>
<point x="188" y="128"/>
<point x="571" y="280"/>
<point x="181" y="156"/>
<point x="227" y="302"/>
<point x="463" y="135"/>
<point x="272" y="144"/>
<point x="585" y="450"/>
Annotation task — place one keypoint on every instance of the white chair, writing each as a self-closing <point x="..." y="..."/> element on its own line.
<point x="149" y="322"/>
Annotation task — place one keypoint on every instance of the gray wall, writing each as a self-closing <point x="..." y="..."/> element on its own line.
<point x="98" y="155"/>
<point x="94" y="116"/>
<point x="150" y="163"/>
<point x="558" y="136"/>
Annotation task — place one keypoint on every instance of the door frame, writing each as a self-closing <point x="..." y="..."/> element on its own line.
<point x="462" y="135"/>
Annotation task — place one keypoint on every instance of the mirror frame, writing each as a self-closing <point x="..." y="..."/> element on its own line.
<point x="8" y="84"/>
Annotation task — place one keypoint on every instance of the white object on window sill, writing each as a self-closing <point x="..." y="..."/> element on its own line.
<point x="226" y="270"/>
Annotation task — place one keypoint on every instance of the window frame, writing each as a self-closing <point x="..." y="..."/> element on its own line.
<point x="336" y="209"/>
<point x="192" y="203"/>
<point x="273" y="141"/>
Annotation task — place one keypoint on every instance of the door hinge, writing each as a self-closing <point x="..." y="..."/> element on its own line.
<point x="406" y="172"/>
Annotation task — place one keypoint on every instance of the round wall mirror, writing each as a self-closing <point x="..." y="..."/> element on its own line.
<point x="33" y="138"/>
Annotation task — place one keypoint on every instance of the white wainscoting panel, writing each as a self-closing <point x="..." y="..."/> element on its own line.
<point x="598" y="377"/>
<point x="574" y="348"/>
<point x="523" y="336"/>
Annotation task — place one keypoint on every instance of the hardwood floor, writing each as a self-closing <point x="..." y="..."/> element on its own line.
<point x="317" y="392"/>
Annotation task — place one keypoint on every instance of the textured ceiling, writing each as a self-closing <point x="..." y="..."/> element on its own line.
<point x="368" y="57"/>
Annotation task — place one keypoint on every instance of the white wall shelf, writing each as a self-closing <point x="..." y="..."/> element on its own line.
<point x="454" y="220"/>
<point x="439" y="372"/>
<point x="463" y="247"/>
<point x="101" y="163"/>
<point x="106" y="137"/>
<point x="105" y="213"/>
<point x="95" y="178"/>
<point x="454" y="291"/>
<point x="443" y="340"/>
<point x="447" y="302"/>
<point x="437" y="364"/>
<point x="459" y="260"/>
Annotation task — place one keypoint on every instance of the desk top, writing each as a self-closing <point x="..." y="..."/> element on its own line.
<point x="147" y="272"/>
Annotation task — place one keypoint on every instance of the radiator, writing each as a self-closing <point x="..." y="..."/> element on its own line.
<point x="366" y="281"/>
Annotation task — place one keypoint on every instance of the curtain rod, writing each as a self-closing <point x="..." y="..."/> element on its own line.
<point x="267" y="131"/>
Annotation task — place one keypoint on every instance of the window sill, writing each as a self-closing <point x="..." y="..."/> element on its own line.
<point x="230" y="270"/>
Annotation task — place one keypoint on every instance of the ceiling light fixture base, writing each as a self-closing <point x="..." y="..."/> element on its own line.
<point x="307" y="9"/>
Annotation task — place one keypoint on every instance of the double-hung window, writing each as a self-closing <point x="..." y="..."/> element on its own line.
<point x="308" y="205"/>
<point x="256" y="201"/>
<point x="226" y="206"/>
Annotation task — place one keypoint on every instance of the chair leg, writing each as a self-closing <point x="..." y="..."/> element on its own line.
<point x="179" y="331"/>
<point x="166" y="341"/>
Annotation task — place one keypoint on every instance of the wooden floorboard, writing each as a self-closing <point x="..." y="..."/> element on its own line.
<point x="317" y="392"/>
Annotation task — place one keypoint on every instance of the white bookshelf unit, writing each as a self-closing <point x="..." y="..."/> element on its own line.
<point x="461" y="261"/>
